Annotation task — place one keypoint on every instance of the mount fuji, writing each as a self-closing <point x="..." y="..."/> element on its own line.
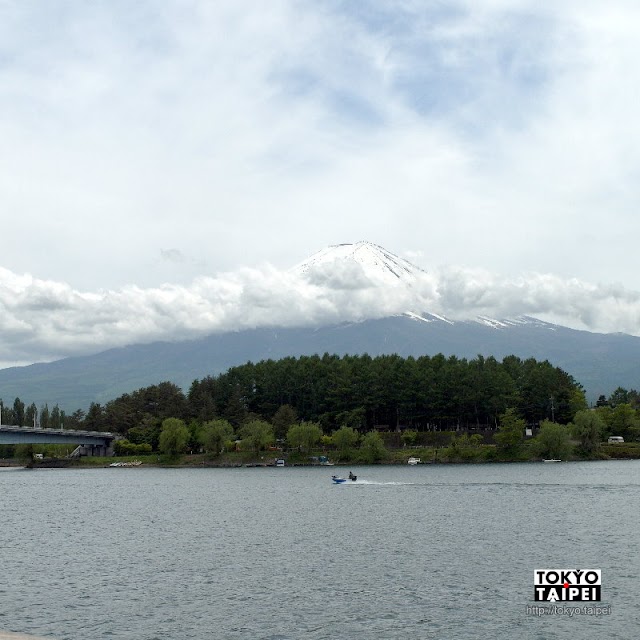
<point x="381" y="283"/>
<point x="368" y="264"/>
<point x="370" y="260"/>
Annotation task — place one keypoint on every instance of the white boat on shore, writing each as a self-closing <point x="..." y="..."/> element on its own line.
<point x="413" y="461"/>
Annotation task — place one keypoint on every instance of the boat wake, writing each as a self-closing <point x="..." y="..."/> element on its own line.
<point x="373" y="482"/>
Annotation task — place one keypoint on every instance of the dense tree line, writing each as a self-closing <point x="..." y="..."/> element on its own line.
<point x="362" y="392"/>
<point x="389" y="391"/>
<point x="302" y="400"/>
<point x="19" y="414"/>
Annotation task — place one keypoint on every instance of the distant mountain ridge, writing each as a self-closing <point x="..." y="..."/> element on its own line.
<point x="600" y="362"/>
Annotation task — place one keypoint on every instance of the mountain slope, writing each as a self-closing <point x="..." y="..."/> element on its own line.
<point x="600" y="362"/>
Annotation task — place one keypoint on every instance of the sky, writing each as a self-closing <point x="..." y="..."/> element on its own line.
<point x="164" y="165"/>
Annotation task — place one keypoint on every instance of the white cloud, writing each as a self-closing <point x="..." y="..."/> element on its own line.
<point x="338" y="275"/>
<point x="44" y="320"/>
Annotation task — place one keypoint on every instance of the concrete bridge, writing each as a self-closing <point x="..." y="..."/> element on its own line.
<point x="90" y="443"/>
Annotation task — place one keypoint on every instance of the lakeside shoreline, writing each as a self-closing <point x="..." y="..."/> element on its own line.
<point x="199" y="461"/>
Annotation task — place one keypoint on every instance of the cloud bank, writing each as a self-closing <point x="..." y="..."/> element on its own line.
<point x="42" y="320"/>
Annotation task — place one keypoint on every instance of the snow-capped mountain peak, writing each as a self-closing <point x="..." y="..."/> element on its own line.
<point x="370" y="260"/>
<point x="363" y="280"/>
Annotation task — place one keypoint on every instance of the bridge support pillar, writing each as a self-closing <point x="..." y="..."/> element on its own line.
<point x="93" y="450"/>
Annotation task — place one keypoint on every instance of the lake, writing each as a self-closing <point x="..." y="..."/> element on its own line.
<point x="431" y="551"/>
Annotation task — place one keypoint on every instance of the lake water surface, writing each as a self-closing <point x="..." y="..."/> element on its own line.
<point x="433" y="551"/>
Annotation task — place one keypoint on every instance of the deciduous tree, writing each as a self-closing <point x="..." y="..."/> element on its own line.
<point x="345" y="439"/>
<point x="213" y="434"/>
<point x="372" y="448"/>
<point x="588" y="427"/>
<point x="258" y="433"/>
<point x="304" y="435"/>
<point x="511" y="430"/>
<point x="173" y="437"/>
<point x="553" y="441"/>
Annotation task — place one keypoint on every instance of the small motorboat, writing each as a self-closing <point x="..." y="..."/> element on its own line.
<point x="413" y="461"/>
<point x="338" y="480"/>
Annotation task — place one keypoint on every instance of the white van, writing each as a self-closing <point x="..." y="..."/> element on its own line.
<point x="615" y="439"/>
